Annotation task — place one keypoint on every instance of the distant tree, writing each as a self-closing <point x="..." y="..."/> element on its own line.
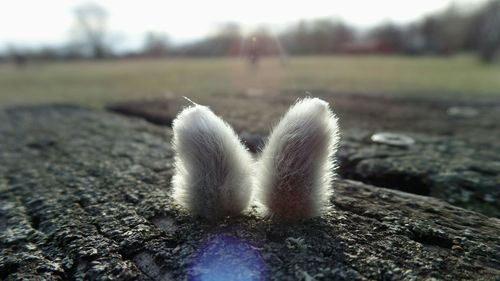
<point x="413" y="40"/>
<point x="18" y="56"/>
<point x="489" y="39"/>
<point x="91" y="29"/>
<point x="155" y="45"/>
<point x="448" y="32"/>
<point x="329" y="36"/>
<point x="226" y="41"/>
<point x="389" y="35"/>
<point x="433" y="34"/>
<point x="342" y="34"/>
<point x="473" y="31"/>
<point x="454" y="28"/>
<point x="47" y="53"/>
<point x="318" y="36"/>
<point x="296" y="38"/>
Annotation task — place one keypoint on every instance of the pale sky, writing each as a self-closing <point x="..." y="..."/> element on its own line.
<point x="48" y="22"/>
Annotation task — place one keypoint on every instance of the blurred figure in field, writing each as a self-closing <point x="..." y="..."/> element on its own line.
<point x="254" y="53"/>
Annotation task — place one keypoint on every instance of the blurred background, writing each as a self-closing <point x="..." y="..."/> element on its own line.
<point x="93" y="53"/>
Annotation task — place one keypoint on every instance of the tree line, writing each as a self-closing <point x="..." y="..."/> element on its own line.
<point x="447" y="32"/>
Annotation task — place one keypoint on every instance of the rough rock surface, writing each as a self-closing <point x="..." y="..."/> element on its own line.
<point x="456" y="155"/>
<point x="450" y="168"/>
<point x="85" y="195"/>
<point x="476" y="119"/>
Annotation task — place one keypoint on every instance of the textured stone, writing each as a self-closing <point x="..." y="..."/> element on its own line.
<point x="85" y="195"/>
<point x="453" y="169"/>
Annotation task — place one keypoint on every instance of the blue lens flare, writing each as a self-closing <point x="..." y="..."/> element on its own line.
<point x="227" y="258"/>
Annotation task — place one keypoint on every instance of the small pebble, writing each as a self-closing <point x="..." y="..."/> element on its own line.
<point x="392" y="139"/>
<point x="462" y="111"/>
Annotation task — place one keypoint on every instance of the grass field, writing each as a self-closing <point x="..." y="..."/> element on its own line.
<point x="96" y="83"/>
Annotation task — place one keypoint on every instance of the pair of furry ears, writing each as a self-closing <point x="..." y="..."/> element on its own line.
<point x="216" y="176"/>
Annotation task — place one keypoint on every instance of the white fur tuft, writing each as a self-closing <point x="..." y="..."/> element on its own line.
<point x="296" y="167"/>
<point x="213" y="169"/>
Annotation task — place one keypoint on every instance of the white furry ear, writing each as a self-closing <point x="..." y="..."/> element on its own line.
<point x="212" y="168"/>
<point x="296" y="167"/>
